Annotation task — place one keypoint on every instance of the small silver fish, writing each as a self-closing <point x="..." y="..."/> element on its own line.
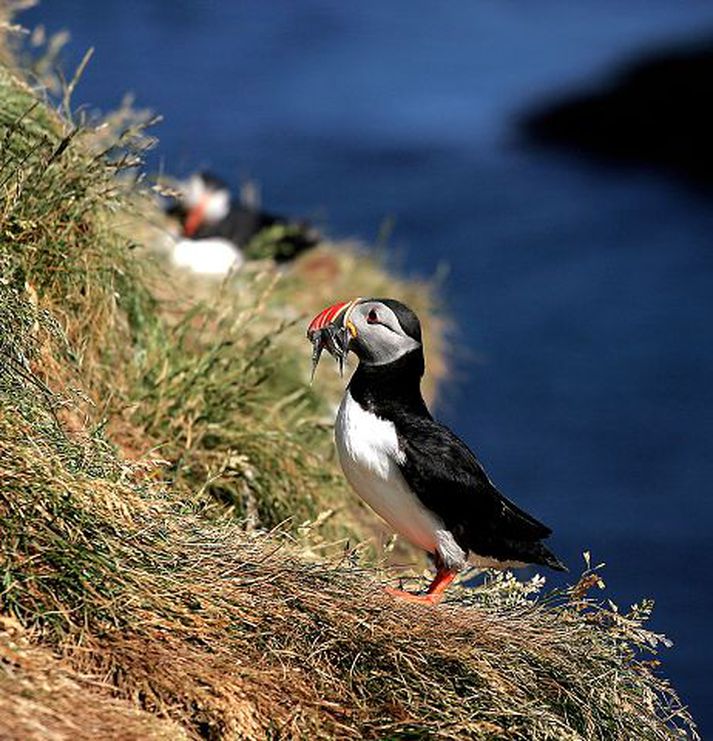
<point x="335" y="340"/>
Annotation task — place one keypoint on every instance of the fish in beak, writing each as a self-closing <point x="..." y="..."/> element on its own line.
<point x="331" y="330"/>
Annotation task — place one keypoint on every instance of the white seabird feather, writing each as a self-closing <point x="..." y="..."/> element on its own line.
<point x="210" y="256"/>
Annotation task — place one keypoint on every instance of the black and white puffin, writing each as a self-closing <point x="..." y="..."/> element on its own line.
<point x="205" y="209"/>
<point x="413" y="471"/>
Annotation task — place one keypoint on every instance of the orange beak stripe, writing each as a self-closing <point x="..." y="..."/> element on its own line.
<point x="195" y="217"/>
<point x="329" y="315"/>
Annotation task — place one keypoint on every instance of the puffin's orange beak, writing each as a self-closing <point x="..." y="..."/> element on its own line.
<point x="331" y="330"/>
<point x="195" y="217"/>
<point x="331" y="314"/>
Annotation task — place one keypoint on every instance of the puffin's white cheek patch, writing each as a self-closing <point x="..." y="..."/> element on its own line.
<point x="218" y="206"/>
<point x="386" y="346"/>
<point x="193" y="191"/>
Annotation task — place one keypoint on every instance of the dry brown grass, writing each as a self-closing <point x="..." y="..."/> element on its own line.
<point x="42" y="698"/>
<point x="235" y="635"/>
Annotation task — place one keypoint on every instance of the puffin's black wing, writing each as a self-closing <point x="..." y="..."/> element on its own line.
<point x="239" y="226"/>
<point x="243" y="223"/>
<point x="445" y="475"/>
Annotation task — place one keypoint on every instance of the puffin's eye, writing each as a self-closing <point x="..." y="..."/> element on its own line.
<point x="372" y="317"/>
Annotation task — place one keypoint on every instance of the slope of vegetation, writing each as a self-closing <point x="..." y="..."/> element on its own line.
<point x="176" y="542"/>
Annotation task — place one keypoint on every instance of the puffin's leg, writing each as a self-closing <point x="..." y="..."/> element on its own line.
<point x="434" y="593"/>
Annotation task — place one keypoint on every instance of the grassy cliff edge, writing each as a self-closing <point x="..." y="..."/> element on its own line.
<point x="175" y="537"/>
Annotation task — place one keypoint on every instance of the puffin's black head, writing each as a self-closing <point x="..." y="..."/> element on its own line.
<point x="378" y="330"/>
<point x="212" y="182"/>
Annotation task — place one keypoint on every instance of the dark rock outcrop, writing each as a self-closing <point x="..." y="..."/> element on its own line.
<point x="656" y="112"/>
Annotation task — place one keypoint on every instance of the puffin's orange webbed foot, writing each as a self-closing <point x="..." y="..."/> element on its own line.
<point x="421" y="599"/>
<point x="435" y="591"/>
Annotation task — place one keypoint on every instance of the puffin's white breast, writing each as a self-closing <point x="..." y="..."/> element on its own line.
<point x="369" y="452"/>
<point x="210" y="256"/>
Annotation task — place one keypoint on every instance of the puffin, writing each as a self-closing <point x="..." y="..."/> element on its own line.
<point x="206" y="210"/>
<point x="413" y="471"/>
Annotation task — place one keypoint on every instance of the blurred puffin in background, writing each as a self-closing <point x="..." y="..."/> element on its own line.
<point x="218" y="231"/>
<point x="413" y="471"/>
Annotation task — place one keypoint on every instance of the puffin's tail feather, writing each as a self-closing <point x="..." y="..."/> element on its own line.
<point x="549" y="559"/>
<point x="538" y="553"/>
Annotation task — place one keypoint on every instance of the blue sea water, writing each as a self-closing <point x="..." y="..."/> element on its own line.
<point x="583" y="294"/>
